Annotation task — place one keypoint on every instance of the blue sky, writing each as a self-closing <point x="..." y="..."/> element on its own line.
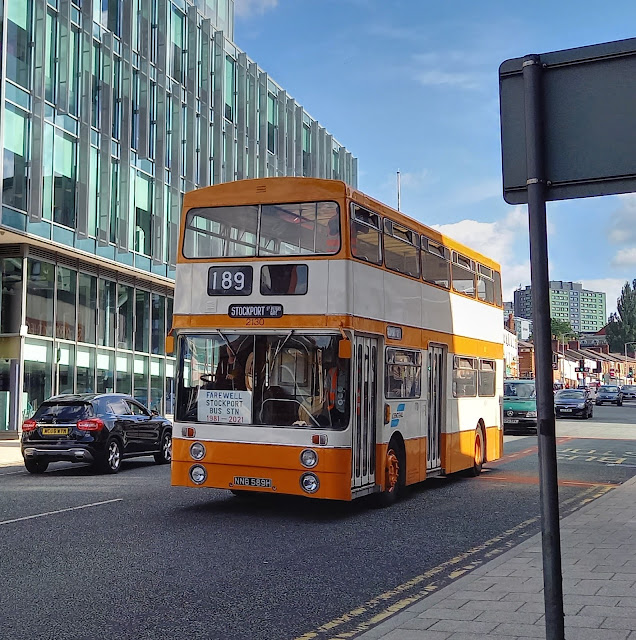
<point x="413" y="85"/>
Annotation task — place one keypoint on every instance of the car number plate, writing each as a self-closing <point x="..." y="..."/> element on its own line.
<point x="246" y="481"/>
<point x="566" y="410"/>
<point x="54" y="431"/>
<point x="511" y="420"/>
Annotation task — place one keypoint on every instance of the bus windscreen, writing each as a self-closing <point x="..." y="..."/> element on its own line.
<point x="295" y="229"/>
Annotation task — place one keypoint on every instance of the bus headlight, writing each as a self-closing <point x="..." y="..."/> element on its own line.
<point x="198" y="474"/>
<point x="197" y="451"/>
<point x="309" y="458"/>
<point x="309" y="482"/>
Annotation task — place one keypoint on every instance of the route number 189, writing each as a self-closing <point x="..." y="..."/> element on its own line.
<point x="236" y="281"/>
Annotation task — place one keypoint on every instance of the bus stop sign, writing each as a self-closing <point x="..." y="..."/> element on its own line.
<point x="589" y="122"/>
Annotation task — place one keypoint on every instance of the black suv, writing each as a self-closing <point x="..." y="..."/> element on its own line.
<point x="98" y="428"/>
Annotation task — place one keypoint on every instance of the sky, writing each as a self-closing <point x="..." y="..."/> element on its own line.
<point x="412" y="85"/>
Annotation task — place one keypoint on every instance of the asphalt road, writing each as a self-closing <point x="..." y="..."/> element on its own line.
<point x="130" y="557"/>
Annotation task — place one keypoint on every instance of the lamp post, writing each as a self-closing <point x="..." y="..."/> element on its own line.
<point x="626" y="354"/>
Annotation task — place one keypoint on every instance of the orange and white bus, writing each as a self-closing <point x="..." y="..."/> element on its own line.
<point x="328" y="345"/>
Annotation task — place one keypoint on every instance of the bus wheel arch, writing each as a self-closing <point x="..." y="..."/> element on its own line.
<point x="482" y="425"/>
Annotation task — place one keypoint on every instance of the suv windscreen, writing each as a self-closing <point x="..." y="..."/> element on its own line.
<point x="609" y="389"/>
<point x="63" y="411"/>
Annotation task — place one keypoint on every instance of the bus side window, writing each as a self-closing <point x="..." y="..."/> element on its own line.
<point x="403" y="373"/>
<point x="365" y="235"/>
<point x="464" y="377"/>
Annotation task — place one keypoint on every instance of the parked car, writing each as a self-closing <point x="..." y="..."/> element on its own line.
<point x="98" y="428"/>
<point x="629" y="391"/>
<point x="609" y="393"/>
<point x="519" y="405"/>
<point x="573" y="402"/>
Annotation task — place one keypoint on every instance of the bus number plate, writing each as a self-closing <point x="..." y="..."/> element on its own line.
<point x="230" y="281"/>
<point x="245" y="481"/>
<point x="255" y="311"/>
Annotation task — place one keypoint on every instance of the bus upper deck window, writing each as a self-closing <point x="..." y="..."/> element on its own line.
<point x="365" y="235"/>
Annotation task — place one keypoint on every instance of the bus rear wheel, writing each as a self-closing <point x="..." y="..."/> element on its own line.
<point x="479" y="453"/>
<point x="394" y="468"/>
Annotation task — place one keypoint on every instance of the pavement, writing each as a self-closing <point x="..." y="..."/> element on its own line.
<point x="10" y="455"/>
<point x="503" y="598"/>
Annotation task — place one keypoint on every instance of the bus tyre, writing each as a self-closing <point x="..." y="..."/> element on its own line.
<point x="394" y="468"/>
<point x="478" y="457"/>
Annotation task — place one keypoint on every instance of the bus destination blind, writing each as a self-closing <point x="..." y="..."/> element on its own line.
<point x="255" y="311"/>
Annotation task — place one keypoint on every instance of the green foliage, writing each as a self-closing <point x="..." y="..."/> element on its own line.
<point x="561" y="329"/>
<point x="621" y="327"/>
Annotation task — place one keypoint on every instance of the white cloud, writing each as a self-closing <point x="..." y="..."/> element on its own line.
<point x="624" y="258"/>
<point x="611" y="286"/>
<point x="622" y="221"/>
<point x="452" y="69"/>
<point x="246" y="8"/>
<point x="498" y="240"/>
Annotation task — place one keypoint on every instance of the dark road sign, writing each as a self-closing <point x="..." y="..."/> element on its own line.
<point x="588" y="104"/>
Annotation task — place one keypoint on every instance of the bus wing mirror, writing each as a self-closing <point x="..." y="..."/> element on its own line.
<point x="344" y="349"/>
<point x="170" y="345"/>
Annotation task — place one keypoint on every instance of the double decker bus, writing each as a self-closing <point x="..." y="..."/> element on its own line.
<point x="328" y="345"/>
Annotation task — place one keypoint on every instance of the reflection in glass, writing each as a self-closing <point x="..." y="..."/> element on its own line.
<point x="65" y="362"/>
<point x="105" y="370"/>
<point x="158" y="323"/>
<point x="125" y="304"/>
<point x="38" y="375"/>
<point x="142" y="320"/>
<point x="123" y="383"/>
<point x="140" y="369"/>
<point x="18" y="40"/>
<point x="156" y="385"/>
<point x="87" y="308"/>
<point x="39" y="303"/>
<point x="65" y="310"/>
<point x="85" y="370"/>
<point x="11" y="296"/>
<point x="15" y="157"/>
<point x="107" y="309"/>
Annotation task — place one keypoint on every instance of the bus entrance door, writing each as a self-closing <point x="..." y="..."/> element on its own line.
<point x="435" y="413"/>
<point x="365" y="358"/>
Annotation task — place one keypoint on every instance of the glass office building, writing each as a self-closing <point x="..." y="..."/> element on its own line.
<point x="110" y="111"/>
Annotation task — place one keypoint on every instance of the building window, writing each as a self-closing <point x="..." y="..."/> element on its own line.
<point x="272" y="112"/>
<point x="50" y="65"/>
<point x="15" y="157"/>
<point x="176" y="51"/>
<point x="306" y="150"/>
<point x="230" y="88"/>
<point x="105" y="370"/>
<point x="87" y="309"/>
<point x="39" y="302"/>
<point x="18" y="39"/>
<point x="11" y="296"/>
<point x="143" y="214"/>
<point x="38" y="373"/>
<point x="125" y="310"/>
<point x="64" y="167"/>
<point x="140" y="371"/>
<point x="85" y="369"/>
<point x="107" y="310"/>
<point x="65" y="307"/>
<point x="158" y="335"/>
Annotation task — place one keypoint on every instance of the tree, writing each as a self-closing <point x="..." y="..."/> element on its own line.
<point x="561" y="329"/>
<point x="621" y="327"/>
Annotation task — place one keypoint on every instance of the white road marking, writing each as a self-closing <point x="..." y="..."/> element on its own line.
<point x="50" y="513"/>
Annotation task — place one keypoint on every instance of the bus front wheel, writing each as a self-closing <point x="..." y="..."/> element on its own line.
<point x="394" y="468"/>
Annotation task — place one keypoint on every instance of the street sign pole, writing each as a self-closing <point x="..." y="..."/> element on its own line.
<point x="536" y="185"/>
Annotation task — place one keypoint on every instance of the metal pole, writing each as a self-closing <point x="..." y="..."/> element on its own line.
<point x="549" y="497"/>
<point x="398" y="189"/>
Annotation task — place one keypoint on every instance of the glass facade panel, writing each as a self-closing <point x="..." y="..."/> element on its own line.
<point x="66" y="300"/>
<point x="158" y="323"/>
<point x="5" y="394"/>
<point x="64" y="168"/>
<point x="50" y="66"/>
<point x="170" y="386"/>
<point x="125" y="308"/>
<point x="85" y="368"/>
<point x="15" y="157"/>
<point x="38" y="374"/>
<point x="11" y="296"/>
<point x="156" y="385"/>
<point x="140" y="369"/>
<point x="176" y="51"/>
<point x="105" y="371"/>
<point x="143" y="214"/>
<point x="107" y="309"/>
<point x="230" y="88"/>
<point x="65" y="368"/>
<point x="18" y="40"/>
<point x="87" y="308"/>
<point x="142" y="320"/>
<point x="40" y="289"/>
<point x="123" y="364"/>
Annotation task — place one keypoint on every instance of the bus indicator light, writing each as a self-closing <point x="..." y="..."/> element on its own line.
<point x="188" y="432"/>
<point x="319" y="438"/>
